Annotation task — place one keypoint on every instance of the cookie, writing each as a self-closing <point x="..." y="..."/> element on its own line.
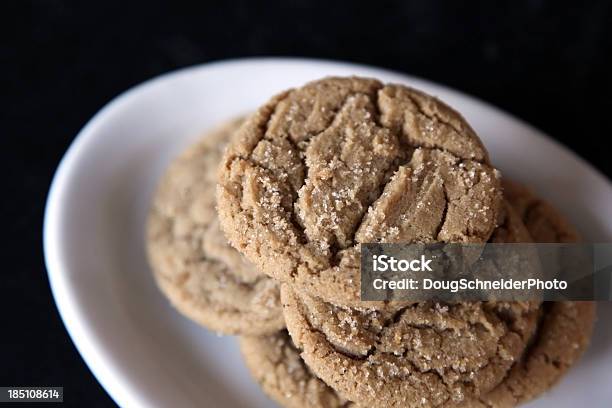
<point x="420" y="355"/>
<point x="566" y="327"/>
<point x="194" y="266"/>
<point x="563" y="335"/>
<point x="321" y="169"/>
<point x="276" y="365"/>
<point x="427" y="354"/>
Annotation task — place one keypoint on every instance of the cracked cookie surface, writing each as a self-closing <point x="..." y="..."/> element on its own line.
<point x="194" y="266"/>
<point x="321" y="169"/>
<point x="565" y="329"/>
<point x="276" y="365"/>
<point x="423" y="354"/>
<point x="426" y="354"/>
<point x="562" y="336"/>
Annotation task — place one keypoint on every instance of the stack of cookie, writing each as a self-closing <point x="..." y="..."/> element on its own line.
<point x="305" y="180"/>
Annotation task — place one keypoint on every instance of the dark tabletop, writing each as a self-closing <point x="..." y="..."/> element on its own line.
<point x="60" y="61"/>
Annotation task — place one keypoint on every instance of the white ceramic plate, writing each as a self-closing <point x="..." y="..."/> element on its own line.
<point x="143" y="352"/>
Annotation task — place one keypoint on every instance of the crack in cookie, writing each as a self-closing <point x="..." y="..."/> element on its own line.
<point x="440" y="353"/>
<point x="416" y="354"/>
<point x="565" y="328"/>
<point x="314" y="172"/>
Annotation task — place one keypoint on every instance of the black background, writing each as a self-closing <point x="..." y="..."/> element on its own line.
<point x="544" y="61"/>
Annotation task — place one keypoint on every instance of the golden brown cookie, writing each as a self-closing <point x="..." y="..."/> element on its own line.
<point x="426" y="354"/>
<point x="341" y="161"/>
<point x="562" y="337"/>
<point x="566" y="327"/>
<point x="194" y="266"/>
<point x="276" y="365"/>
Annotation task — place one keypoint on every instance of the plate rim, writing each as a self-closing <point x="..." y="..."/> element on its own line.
<point x="110" y="376"/>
